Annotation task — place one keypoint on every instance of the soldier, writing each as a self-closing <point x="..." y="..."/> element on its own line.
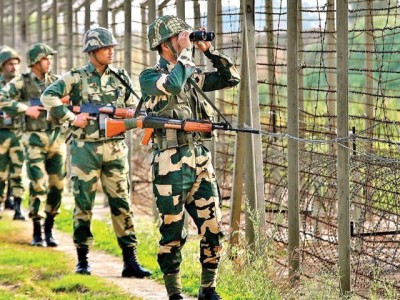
<point x="94" y="157"/>
<point x="183" y="175"/>
<point x="11" y="150"/>
<point x="43" y="140"/>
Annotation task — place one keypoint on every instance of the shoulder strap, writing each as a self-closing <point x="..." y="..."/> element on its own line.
<point x="200" y="91"/>
<point x="85" y="89"/>
<point x="129" y="88"/>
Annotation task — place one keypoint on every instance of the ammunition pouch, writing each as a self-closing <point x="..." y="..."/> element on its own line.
<point x="172" y="138"/>
<point x="39" y="124"/>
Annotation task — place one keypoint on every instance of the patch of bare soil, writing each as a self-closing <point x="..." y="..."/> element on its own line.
<point x="102" y="264"/>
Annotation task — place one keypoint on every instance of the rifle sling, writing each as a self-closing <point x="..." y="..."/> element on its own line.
<point x="198" y="89"/>
<point x="139" y="106"/>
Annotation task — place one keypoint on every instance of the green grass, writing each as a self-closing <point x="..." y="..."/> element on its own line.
<point x="251" y="282"/>
<point x="41" y="273"/>
<point x="251" y="275"/>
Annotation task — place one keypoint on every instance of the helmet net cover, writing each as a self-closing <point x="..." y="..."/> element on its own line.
<point x="97" y="38"/>
<point x="38" y="51"/>
<point x="7" y="53"/>
<point x="165" y="27"/>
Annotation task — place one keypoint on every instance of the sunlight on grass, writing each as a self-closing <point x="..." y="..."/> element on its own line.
<point x="41" y="273"/>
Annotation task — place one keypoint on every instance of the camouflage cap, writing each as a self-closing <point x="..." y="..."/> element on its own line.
<point x="38" y="51"/>
<point x="165" y="27"/>
<point x="97" y="38"/>
<point x="7" y="53"/>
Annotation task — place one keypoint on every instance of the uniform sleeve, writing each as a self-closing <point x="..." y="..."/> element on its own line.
<point x="155" y="83"/>
<point x="9" y="96"/>
<point x="226" y="74"/>
<point x="51" y="98"/>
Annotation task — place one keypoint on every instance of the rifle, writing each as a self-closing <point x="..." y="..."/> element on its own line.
<point x="149" y="123"/>
<point x="102" y="112"/>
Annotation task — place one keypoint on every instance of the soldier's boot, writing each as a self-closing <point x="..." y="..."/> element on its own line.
<point x="208" y="282"/>
<point x="83" y="267"/>
<point x="17" y="207"/>
<point x="48" y="231"/>
<point x="37" y="234"/>
<point x="208" y="293"/>
<point x="9" y="203"/>
<point x="132" y="268"/>
<point x="173" y="285"/>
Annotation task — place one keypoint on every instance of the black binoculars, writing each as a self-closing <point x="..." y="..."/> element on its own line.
<point x="202" y="35"/>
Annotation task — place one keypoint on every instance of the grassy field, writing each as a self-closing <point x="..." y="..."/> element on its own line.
<point x="32" y="273"/>
<point x="41" y="273"/>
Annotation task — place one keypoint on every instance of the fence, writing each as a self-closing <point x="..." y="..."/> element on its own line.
<point x="323" y="69"/>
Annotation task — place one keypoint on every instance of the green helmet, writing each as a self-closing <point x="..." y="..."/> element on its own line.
<point x="38" y="51"/>
<point x="165" y="27"/>
<point x="7" y="53"/>
<point x="97" y="38"/>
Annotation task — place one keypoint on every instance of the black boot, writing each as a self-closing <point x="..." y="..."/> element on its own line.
<point x="48" y="231"/>
<point x="176" y="297"/>
<point x="132" y="268"/>
<point x="9" y="203"/>
<point x="208" y="293"/>
<point x="17" y="207"/>
<point x="82" y="267"/>
<point x="37" y="234"/>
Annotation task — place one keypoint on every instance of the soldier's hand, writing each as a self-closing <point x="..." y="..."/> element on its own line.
<point x="34" y="111"/>
<point x="183" y="39"/>
<point x="203" y="45"/>
<point x="82" y="120"/>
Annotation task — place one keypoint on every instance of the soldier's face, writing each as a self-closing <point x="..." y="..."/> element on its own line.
<point x="11" y="68"/>
<point x="45" y="64"/>
<point x="105" y="55"/>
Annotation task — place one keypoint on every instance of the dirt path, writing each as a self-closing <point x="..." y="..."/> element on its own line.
<point x="107" y="266"/>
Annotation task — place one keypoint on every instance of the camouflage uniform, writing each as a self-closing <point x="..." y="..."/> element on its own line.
<point x="94" y="157"/>
<point x="183" y="174"/>
<point x="11" y="150"/>
<point x="43" y="140"/>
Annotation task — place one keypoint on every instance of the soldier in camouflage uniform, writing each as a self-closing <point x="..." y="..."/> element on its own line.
<point x="93" y="156"/>
<point x="43" y="140"/>
<point x="183" y="174"/>
<point x="11" y="150"/>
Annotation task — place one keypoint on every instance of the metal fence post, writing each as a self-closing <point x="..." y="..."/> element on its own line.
<point x="293" y="146"/>
<point x="343" y="152"/>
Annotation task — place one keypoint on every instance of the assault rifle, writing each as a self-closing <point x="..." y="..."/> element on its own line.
<point x="102" y="112"/>
<point x="150" y="123"/>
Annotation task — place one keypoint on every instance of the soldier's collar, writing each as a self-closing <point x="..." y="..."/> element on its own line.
<point x="92" y="69"/>
<point x="166" y="65"/>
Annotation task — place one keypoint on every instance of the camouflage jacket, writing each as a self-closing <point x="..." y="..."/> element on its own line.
<point x="99" y="89"/>
<point x="2" y="82"/>
<point x="168" y="94"/>
<point x="16" y="95"/>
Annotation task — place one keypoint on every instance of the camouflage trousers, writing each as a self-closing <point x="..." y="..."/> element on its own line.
<point x="107" y="161"/>
<point x="45" y="164"/>
<point x="184" y="178"/>
<point x="11" y="161"/>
